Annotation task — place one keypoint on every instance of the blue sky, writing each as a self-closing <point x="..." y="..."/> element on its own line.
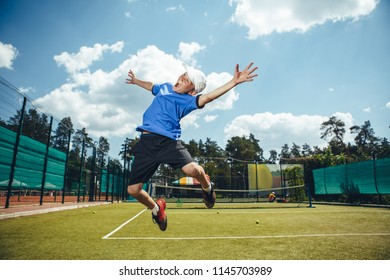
<point x="316" y="59"/>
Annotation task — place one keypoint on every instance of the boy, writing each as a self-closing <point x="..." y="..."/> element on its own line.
<point x="160" y="133"/>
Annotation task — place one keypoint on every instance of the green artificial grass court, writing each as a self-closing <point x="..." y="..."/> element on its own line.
<point x="256" y="231"/>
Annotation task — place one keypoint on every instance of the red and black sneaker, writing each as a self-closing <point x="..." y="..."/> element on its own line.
<point x="161" y="218"/>
<point x="209" y="197"/>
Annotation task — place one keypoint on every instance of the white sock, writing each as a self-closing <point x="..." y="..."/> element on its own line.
<point x="155" y="210"/>
<point x="208" y="190"/>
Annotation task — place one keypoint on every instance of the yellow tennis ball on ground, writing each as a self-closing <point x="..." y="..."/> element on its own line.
<point x="217" y="212"/>
<point x="257" y="222"/>
<point x="94" y="212"/>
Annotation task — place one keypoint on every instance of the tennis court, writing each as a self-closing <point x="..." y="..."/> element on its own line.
<point x="257" y="231"/>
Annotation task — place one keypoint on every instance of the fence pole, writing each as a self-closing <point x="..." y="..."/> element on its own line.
<point x="92" y="181"/>
<point x="66" y="166"/>
<point x="118" y="179"/>
<point x="81" y="170"/>
<point x="112" y="187"/>
<point x="375" y="181"/>
<point x="257" y="184"/>
<point x="45" y="162"/>
<point x="16" y="146"/>
<point x="124" y="170"/>
<point x="101" y="175"/>
<point x="108" y="178"/>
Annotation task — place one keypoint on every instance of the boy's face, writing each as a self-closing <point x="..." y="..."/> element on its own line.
<point x="184" y="85"/>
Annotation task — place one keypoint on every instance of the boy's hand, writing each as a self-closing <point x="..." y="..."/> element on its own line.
<point x="245" y="75"/>
<point x="131" y="79"/>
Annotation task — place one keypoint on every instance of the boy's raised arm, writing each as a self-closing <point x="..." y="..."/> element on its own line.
<point x="244" y="76"/>
<point x="132" y="80"/>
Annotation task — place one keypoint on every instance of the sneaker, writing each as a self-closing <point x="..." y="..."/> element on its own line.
<point x="161" y="217"/>
<point x="209" y="198"/>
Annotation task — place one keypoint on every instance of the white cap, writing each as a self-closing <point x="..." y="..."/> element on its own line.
<point x="196" y="77"/>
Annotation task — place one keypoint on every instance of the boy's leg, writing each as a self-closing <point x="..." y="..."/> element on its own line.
<point x="158" y="207"/>
<point x="142" y="196"/>
<point x="144" y="166"/>
<point x="196" y="171"/>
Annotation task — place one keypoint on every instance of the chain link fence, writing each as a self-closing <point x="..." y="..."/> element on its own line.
<point x="46" y="160"/>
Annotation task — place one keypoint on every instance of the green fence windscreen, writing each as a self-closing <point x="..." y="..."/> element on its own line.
<point x="30" y="163"/>
<point x="367" y="177"/>
<point x="115" y="182"/>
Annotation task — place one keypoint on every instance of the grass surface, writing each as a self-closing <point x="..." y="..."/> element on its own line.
<point x="283" y="232"/>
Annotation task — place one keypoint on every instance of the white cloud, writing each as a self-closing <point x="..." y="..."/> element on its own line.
<point x="388" y="105"/>
<point x="348" y="121"/>
<point x="102" y="102"/>
<point x="75" y="62"/>
<point x="8" y="54"/>
<point x="226" y="102"/>
<point x="367" y="110"/>
<point x="273" y="130"/>
<point x="26" y="89"/>
<point x="210" y="118"/>
<point x="174" y="8"/>
<point x="263" y="17"/>
<point x="187" y="51"/>
<point x="190" y="120"/>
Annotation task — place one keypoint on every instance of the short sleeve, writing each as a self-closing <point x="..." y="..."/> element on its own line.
<point x="156" y="89"/>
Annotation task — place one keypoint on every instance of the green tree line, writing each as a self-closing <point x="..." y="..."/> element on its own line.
<point x="227" y="165"/>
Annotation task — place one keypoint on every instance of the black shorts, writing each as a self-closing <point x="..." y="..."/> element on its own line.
<point x="151" y="151"/>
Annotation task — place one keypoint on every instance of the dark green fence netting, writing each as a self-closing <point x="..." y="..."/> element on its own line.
<point x="367" y="177"/>
<point x="30" y="163"/>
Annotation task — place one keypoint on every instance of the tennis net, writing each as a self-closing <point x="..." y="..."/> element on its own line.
<point x="184" y="194"/>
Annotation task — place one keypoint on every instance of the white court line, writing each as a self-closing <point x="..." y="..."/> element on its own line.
<point x="230" y="237"/>
<point x="122" y="225"/>
<point x="250" y="237"/>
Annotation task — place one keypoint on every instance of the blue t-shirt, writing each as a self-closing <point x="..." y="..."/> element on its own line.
<point x="167" y="109"/>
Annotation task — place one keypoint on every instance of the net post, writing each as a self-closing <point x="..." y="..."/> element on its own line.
<point x="308" y="187"/>
<point x="310" y="198"/>
<point x="230" y="160"/>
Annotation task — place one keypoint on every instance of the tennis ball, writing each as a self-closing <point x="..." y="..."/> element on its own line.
<point x="94" y="212"/>
<point x="217" y="212"/>
<point x="257" y="222"/>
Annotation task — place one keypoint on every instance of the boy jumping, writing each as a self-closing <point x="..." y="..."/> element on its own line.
<point x="160" y="133"/>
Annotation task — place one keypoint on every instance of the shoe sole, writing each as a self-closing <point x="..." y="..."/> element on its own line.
<point x="205" y="201"/>
<point x="208" y="203"/>
<point x="164" y="223"/>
